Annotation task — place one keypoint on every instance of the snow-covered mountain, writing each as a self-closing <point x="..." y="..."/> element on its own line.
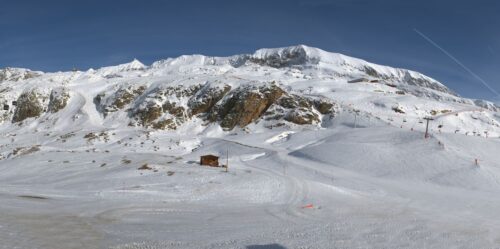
<point x="289" y="86"/>
<point x="324" y="151"/>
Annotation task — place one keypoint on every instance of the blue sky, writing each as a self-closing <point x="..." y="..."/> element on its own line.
<point x="53" y="35"/>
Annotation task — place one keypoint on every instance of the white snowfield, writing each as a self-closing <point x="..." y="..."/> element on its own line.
<point x="364" y="177"/>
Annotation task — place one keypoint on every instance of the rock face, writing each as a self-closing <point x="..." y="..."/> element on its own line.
<point x="28" y="106"/>
<point x="124" y="97"/>
<point x="119" y="99"/>
<point x="247" y="104"/>
<point x="324" y="106"/>
<point x="287" y="57"/>
<point x="58" y="99"/>
<point x="176" y="115"/>
<point x="299" y="110"/>
<point x="167" y="108"/>
<point x="206" y="98"/>
<point x="163" y="108"/>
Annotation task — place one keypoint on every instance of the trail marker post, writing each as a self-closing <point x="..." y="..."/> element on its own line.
<point x="427" y="126"/>
<point x="227" y="160"/>
<point x="356" y="112"/>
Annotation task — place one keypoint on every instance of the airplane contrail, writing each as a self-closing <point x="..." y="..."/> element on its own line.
<point x="459" y="63"/>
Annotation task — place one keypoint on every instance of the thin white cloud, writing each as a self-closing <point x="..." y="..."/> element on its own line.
<point x="481" y="80"/>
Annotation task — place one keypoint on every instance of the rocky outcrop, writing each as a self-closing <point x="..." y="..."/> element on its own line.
<point x="119" y="99"/>
<point x="293" y="108"/>
<point x="371" y="71"/>
<point x="28" y="106"/>
<point x="300" y="110"/>
<point x="163" y="108"/>
<point x="324" y="106"/>
<point x="165" y="124"/>
<point x="206" y="98"/>
<point x="124" y="97"/>
<point x="246" y="104"/>
<point x="175" y="116"/>
<point x="302" y="117"/>
<point x="283" y="57"/>
<point x="148" y="114"/>
<point x="58" y="99"/>
<point x="169" y="107"/>
<point x="400" y="109"/>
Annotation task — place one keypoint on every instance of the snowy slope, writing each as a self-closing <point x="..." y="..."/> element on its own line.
<point x="324" y="151"/>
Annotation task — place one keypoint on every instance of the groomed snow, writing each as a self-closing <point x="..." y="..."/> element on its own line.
<point x="375" y="187"/>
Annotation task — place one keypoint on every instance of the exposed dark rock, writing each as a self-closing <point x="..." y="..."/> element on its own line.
<point x="161" y="108"/>
<point x="247" y="104"/>
<point x="177" y="111"/>
<point x="206" y="98"/>
<point x="302" y="116"/>
<point x="165" y="124"/>
<point x="324" y="106"/>
<point x="145" y="167"/>
<point x="149" y="114"/>
<point x="294" y="101"/>
<point x="28" y="106"/>
<point x="98" y="100"/>
<point x="178" y="91"/>
<point x="299" y="110"/>
<point x="58" y="99"/>
<point x="358" y="80"/>
<point x="126" y="96"/>
<point x="371" y="71"/>
<point x="398" y="109"/>
<point x="286" y="57"/>
<point x="118" y="100"/>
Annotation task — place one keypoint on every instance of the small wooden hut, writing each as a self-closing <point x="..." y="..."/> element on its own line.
<point x="209" y="160"/>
